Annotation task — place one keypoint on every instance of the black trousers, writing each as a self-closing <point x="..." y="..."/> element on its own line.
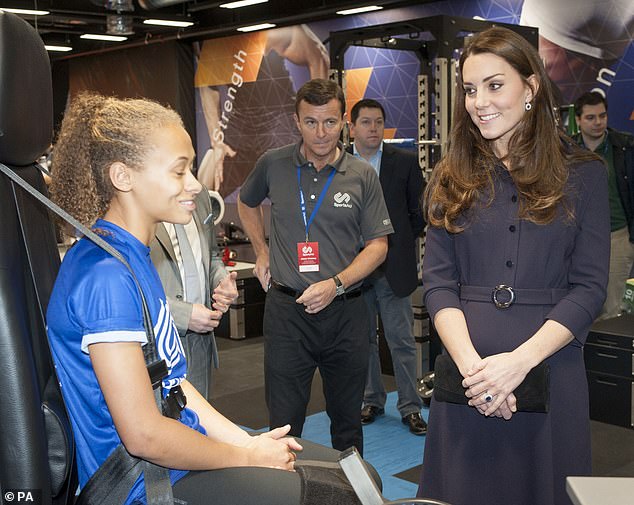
<point x="249" y="485"/>
<point x="296" y="343"/>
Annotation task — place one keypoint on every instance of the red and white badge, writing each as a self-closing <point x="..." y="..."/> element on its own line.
<point x="308" y="256"/>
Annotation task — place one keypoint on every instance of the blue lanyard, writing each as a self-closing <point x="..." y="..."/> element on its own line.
<point x="302" y="200"/>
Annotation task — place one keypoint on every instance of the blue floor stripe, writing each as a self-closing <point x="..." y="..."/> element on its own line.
<point x="388" y="446"/>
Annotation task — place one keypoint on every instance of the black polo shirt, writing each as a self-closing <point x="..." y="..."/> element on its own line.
<point x="352" y="212"/>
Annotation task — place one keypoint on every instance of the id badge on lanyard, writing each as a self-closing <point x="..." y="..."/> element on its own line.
<point x="308" y="256"/>
<point x="308" y="252"/>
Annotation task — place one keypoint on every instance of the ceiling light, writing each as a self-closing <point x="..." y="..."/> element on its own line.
<point x="253" y="28"/>
<point x="359" y="10"/>
<point x="242" y="3"/>
<point x="109" y="38"/>
<point x="62" y="49"/>
<point x="28" y="12"/>
<point x="166" y="22"/>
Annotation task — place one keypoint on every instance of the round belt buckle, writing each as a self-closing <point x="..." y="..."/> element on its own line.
<point x="503" y="304"/>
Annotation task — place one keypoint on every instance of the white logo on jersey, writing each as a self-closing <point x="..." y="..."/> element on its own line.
<point x="168" y="343"/>
<point x="342" y="199"/>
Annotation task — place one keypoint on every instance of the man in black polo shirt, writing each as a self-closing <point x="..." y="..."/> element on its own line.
<point x="328" y="231"/>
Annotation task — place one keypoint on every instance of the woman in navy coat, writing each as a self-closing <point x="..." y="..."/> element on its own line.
<point x="513" y="203"/>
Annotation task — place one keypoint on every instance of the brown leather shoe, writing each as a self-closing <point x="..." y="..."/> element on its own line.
<point x="416" y="424"/>
<point x="369" y="413"/>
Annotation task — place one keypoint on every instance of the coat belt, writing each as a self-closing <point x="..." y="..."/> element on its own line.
<point x="504" y="296"/>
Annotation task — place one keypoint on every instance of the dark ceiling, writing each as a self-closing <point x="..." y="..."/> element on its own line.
<point x="68" y="19"/>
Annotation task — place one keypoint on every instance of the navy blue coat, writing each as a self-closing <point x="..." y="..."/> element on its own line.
<point x="473" y="460"/>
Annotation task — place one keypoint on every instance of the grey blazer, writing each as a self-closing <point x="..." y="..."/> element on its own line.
<point x="164" y="259"/>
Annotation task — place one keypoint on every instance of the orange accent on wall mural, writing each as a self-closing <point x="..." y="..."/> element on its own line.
<point x="389" y="133"/>
<point x="356" y="83"/>
<point x="221" y="58"/>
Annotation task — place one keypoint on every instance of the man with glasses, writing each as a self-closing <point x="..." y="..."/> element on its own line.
<point x="328" y="231"/>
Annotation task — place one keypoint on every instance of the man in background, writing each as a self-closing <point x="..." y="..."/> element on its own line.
<point x="188" y="263"/>
<point x="325" y="204"/>
<point x="617" y="149"/>
<point x="388" y="289"/>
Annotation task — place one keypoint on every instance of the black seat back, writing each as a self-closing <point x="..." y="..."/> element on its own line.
<point x="36" y="443"/>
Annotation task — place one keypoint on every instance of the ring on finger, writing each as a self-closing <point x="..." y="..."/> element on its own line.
<point x="488" y="397"/>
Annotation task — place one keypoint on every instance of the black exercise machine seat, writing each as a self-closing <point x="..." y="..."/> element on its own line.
<point x="36" y="444"/>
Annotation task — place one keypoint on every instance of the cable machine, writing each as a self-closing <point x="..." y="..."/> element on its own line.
<point x="436" y="41"/>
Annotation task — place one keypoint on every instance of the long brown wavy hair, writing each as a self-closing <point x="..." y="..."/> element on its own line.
<point x="96" y="132"/>
<point x="539" y="152"/>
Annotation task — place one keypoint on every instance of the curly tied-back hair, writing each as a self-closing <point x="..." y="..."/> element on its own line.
<point x="96" y="132"/>
<point x="539" y="152"/>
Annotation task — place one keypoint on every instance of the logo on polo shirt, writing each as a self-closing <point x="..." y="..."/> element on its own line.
<point x="342" y="199"/>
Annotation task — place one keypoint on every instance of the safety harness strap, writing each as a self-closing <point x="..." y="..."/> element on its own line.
<point x="112" y="481"/>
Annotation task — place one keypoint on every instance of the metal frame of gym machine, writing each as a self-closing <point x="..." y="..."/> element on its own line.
<point x="436" y="41"/>
<point x="438" y="67"/>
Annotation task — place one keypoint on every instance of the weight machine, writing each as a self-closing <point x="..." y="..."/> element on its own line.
<point x="436" y="41"/>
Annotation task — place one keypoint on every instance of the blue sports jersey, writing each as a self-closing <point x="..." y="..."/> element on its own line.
<point x="94" y="300"/>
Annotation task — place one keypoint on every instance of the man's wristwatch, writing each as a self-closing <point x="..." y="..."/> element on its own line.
<point x="340" y="288"/>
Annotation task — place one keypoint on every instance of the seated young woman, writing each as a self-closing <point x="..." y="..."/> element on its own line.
<point x="121" y="167"/>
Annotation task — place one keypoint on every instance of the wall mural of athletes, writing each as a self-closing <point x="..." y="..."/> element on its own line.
<point x="246" y="84"/>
